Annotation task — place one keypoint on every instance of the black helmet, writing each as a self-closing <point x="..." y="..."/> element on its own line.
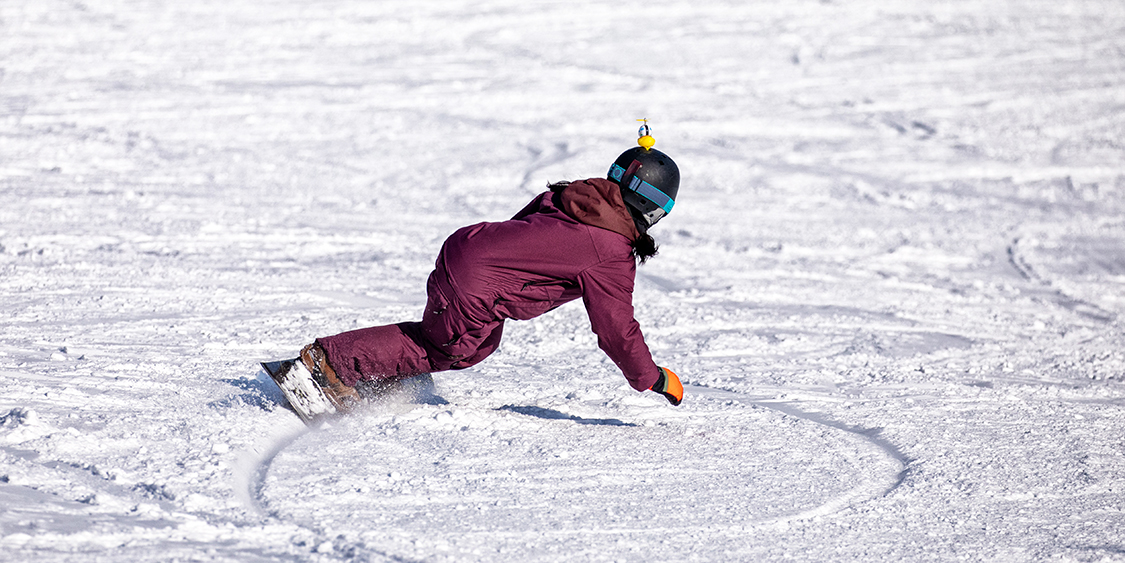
<point x="649" y="182"/>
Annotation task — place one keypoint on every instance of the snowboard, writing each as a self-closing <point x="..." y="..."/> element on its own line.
<point x="300" y="389"/>
<point x="310" y="403"/>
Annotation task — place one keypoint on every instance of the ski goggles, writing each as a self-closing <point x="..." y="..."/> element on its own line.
<point x="645" y="189"/>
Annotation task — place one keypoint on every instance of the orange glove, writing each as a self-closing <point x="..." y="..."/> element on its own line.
<point x="669" y="385"/>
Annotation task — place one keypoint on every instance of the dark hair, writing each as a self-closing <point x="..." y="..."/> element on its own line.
<point x="644" y="247"/>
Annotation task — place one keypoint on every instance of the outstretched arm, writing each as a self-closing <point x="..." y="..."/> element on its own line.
<point x="607" y="293"/>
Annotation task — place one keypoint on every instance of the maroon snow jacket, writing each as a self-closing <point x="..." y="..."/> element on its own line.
<point x="565" y="244"/>
<point x="560" y="247"/>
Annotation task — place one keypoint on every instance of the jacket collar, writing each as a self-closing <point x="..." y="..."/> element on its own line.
<point x="597" y="202"/>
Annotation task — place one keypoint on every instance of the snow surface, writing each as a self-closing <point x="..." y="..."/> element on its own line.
<point x="893" y="282"/>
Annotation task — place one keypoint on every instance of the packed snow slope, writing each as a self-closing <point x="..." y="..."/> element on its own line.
<point x="894" y="282"/>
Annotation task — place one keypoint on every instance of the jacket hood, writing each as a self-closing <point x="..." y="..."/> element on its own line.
<point x="598" y="202"/>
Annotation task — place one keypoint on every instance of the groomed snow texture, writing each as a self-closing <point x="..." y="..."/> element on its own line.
<point x="893" y="284"/>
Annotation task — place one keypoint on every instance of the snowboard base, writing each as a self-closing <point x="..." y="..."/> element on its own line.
<point x="300" y="389"/>
<point x="311" y="404"/>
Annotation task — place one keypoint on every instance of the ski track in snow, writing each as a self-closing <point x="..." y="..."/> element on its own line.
<point x="876" y="472"/>
<point x="893" y="284"/>
<point x="467" y="473"/>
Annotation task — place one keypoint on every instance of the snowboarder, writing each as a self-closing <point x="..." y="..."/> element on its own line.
<point x="578" y="239"/>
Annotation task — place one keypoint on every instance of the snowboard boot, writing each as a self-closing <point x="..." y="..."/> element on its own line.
<point x="342" y="396"/>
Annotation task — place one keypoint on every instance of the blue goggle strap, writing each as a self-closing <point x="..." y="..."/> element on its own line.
<point x="647" y="190"/>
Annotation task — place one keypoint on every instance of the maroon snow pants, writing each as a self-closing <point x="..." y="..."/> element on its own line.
<point x="451" y="335"/>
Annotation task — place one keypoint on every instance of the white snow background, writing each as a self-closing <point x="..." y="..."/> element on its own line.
<point x="893" y="282"/>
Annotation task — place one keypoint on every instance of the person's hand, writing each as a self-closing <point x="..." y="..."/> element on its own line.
<point x="669" y="385"/>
